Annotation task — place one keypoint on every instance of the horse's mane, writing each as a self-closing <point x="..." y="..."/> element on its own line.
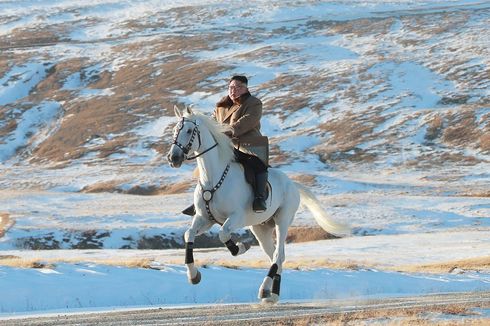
<point x="216" y="129"/>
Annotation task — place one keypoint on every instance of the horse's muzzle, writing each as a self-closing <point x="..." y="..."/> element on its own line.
<point x="175" y="160"/>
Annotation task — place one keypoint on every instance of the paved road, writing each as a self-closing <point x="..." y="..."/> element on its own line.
<point x="248" y="313"/>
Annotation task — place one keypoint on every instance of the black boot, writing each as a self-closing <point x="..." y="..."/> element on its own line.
<point x="191" y="210"/>
<point x="259" y="204"/>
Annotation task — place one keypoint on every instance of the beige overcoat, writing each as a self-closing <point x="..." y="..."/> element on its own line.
<point x="244" y="120"/>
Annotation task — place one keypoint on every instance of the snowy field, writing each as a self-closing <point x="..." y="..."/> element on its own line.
<point x="413" y="185"/>
<point x="76" y="287"/>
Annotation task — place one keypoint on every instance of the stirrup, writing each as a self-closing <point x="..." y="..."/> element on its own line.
<point x="191" y="210"/>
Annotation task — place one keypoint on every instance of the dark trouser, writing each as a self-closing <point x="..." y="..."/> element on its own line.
<point x="259" y="204"/>
<point x="250" y="160"/>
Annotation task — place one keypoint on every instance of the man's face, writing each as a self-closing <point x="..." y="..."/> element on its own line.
<point x="236" y="89"/>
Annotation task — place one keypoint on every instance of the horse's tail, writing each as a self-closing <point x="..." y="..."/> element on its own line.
<point x="309" y="200"/>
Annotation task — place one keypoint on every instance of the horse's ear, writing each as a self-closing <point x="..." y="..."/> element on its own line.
<point x="178" y="114"/>
<point x="188" y="110"/>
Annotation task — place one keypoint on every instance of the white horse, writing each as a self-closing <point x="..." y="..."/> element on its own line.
<point x="223" y="196"/>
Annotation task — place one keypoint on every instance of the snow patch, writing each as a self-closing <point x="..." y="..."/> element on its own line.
<point x="33" y="126"/>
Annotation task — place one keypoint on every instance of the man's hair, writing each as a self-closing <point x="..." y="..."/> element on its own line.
<point x="240" y="78"/>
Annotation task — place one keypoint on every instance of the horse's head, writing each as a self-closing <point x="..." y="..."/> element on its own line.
<point x="186" y="139"/>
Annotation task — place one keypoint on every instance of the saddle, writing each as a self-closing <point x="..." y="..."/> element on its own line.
<point x="249" y="173"/>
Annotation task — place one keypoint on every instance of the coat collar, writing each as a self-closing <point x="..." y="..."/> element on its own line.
<point x="230" y="111"/>
<point x="234" y="107"/>
<point x="244" y="97"/>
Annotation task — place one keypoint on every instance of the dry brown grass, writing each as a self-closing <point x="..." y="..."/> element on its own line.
<point x="428" y="315"/>
<point x="485" y="142"/>
<point x="29" y="37"/>
<point x="305" y="179"/>
<point x="137" y="91"/>
<point x="99" y="187"/>
<point x="18" y="262"/>
<point x="298" y="264"/>
<point x="4" y="65"/>
<point x="305" y="234"/>
<point x="175" y="188"/>
<point x="434" y="128"/>
<point x="440" y="159"/>
<point x="232" y="262"/>
<point x="475" y="264"/>
<point x="361" y="27"/>
<point x="347" y="133"/>
<point x="113" y="186"/>
<point x="8" y="257"/>
<point x="461" y="129"/>
<point x="292" y="103"/>
<point x="278" y="157"/>
<point x="10" y="126"/>
<point x="6" y="222"/>
<point x="435" y="24"/>
<point x="472" y="264"/>
<point x="476" y="194"/>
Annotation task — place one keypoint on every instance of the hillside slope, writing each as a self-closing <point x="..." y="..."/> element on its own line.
<point x="373" y="85"/>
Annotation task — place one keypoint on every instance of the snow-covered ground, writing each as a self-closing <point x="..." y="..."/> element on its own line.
<point x="73" y="286"/>
<point x="404" y="232"/>
<point x="403" y="218"/>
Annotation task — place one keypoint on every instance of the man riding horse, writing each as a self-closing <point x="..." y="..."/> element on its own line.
<point x="222" y="195"/>
<point x="242" y="111"/>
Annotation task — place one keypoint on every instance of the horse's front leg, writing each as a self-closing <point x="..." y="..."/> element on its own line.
<point x="234" y="222"/>
<point x="199" y="225"/>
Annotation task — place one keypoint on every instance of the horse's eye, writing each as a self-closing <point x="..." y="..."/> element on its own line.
<point x="189" y="131"/>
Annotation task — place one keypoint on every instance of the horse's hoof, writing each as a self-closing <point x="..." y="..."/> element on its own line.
<point x="247" y="245"/>
<point x="272" y="299"/>
<point x="243" y="247"/>
<point x="264" y="294"/>
<point x="196" y="279"/>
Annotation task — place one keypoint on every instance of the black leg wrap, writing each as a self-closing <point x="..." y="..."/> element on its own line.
<point x="189" y="257"/>
<point x="232" y="247"/>
<point x="272" y="271"/>
<point x="276" y="284"/>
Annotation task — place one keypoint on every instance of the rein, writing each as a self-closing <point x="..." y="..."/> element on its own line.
<point x="196" y="156"/>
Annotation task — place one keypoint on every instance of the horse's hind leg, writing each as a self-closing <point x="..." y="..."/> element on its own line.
<point x="263" y="233"/>
<point x="199" y="225"/>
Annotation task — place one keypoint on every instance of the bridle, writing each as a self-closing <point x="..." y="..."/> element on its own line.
<point x="186" y="148"/>
<point x="207" y="194"/>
